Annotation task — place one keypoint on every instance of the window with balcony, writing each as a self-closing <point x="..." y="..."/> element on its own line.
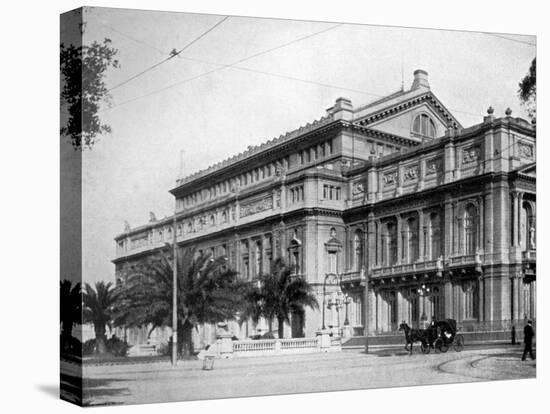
<point x="412" y="240"/>
<point x="357" y="250"/>
<point x="435" y="236"/>
<point x="389" y="243"/>
<point x="470" y="229"/>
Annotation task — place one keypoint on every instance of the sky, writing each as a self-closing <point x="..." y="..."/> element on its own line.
<point x="179" y="106"/>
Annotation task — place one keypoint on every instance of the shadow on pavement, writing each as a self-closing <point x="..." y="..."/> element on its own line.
<point x="84" y="391"/>
<point x="52" y="390"/>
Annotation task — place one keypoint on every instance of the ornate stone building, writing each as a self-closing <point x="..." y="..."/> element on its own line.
<point x="392" y="204"/>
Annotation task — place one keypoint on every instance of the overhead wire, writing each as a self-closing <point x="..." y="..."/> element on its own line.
<point x="242" y="68"/>
<point x="223" y="66"/>
<point x="171" y="56"/>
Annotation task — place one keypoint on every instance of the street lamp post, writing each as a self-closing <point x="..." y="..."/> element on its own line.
<point x="175" y="298"/>
<point x="423" y="291"/>
<point x="327" y="276"/>
<point x="347" y="301"/>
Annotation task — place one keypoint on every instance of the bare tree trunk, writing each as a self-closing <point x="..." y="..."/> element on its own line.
<point x="100" y="346"/>
<point x="185" y="344"/>
<point x="281" y="327"/>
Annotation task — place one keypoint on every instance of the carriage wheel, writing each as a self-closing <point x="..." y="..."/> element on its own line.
<point x="459" y="343"/>
<point x="425" y="348"/>
<point x="440" y="345"/>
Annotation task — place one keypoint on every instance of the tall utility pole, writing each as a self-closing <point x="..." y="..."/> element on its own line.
<point x="366" y="312"/>
<point x="174" y="296"/>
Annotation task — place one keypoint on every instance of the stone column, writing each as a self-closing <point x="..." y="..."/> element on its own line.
<point x="399" y="179"/>
<point x="400" y="307"/>
<point x="481" y="298"/>
<point x="515" y="226"/>
<point x="481" y="232"/>
<point x="372" y="309"/>
<point x="399" y="239"/>
<point x="457" y="230"/>
<point x="370" y="243"/>
<point x="489" y="235"/>
<point x="379" y="254"/>
<point x="421" y="236"/>
<point x="422" y="174"/>
<point x="449" y="161"/>
<point x="521" y="306"/>
<point x="521" y="237"/>
<point x="515" y="293"/>
<point x="448" y="229"/>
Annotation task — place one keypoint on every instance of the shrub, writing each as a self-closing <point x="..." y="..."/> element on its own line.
<point x="115" y="346"/>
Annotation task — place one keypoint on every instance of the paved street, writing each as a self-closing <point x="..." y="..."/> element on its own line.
<point x="346" y="370"/>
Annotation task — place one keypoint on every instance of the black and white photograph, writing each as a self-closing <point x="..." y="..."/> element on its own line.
<point x="288" y="206"/>
<point x="273" y="206"/>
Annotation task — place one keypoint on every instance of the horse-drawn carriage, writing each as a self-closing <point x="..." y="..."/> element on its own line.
<point x="440" y="335"/>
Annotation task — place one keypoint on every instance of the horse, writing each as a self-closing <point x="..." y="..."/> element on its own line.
<point x="413" y="335"/>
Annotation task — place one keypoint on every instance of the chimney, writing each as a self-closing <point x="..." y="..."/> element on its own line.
<point x="420" y="79"/>
<point x="342" y="109"/>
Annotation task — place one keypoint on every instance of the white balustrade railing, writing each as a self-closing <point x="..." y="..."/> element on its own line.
<point x="299" y="343"/>
<point x="265" y="347"/>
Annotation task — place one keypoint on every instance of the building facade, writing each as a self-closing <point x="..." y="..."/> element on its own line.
<point x="392" y="211"/>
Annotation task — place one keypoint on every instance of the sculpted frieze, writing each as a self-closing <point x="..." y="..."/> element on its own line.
<point x="390" y="178"/>
<point x="525" y="150"/>
<point x="411" y="172"/>
<point x="256" y="207"/>
<point x="434" y="165"/>
<point x="470" y="154"/>
<point x="358" y="188"/>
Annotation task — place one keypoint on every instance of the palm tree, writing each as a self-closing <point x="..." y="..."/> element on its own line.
<point x="277" y="295"/>
<point x="98" y="309"/>
<point x="70" y="310"/>
<point x="207" y="291"/>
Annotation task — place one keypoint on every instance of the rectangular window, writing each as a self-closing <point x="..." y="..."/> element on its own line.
<point x="332" y="262"/>
<point x="325" y="192"/>
<point x="313" y="153"/>
<point x="329" y="147"/>
<point x="321" y="150"/>
<point x="301" y="156"/>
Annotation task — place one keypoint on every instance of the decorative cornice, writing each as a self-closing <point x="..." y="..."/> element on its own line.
<point x="428" y="97"/>
<point x="256" y="150"/>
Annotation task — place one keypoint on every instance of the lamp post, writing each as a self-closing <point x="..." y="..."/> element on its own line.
<point x="423" y="291"/>
<point x="327" y="277"/>
<point x="175" y="297"/>
<point x="347" y="301"/>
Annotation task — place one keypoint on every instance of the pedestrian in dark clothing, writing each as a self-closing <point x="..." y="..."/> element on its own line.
<point x="528" y="334"/>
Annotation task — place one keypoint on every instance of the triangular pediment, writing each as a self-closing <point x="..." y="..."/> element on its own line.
<point x="396" y="114"/>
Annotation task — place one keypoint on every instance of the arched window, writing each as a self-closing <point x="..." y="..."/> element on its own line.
<point x="357" y="250"/>
<point x="435" y="236"/>
<point x="423" y="125"/>
<point x="412" y="240"/>
<point x="470" y="229"/>
<point x="527" y="226"/>
<point x="389" y="243"/>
